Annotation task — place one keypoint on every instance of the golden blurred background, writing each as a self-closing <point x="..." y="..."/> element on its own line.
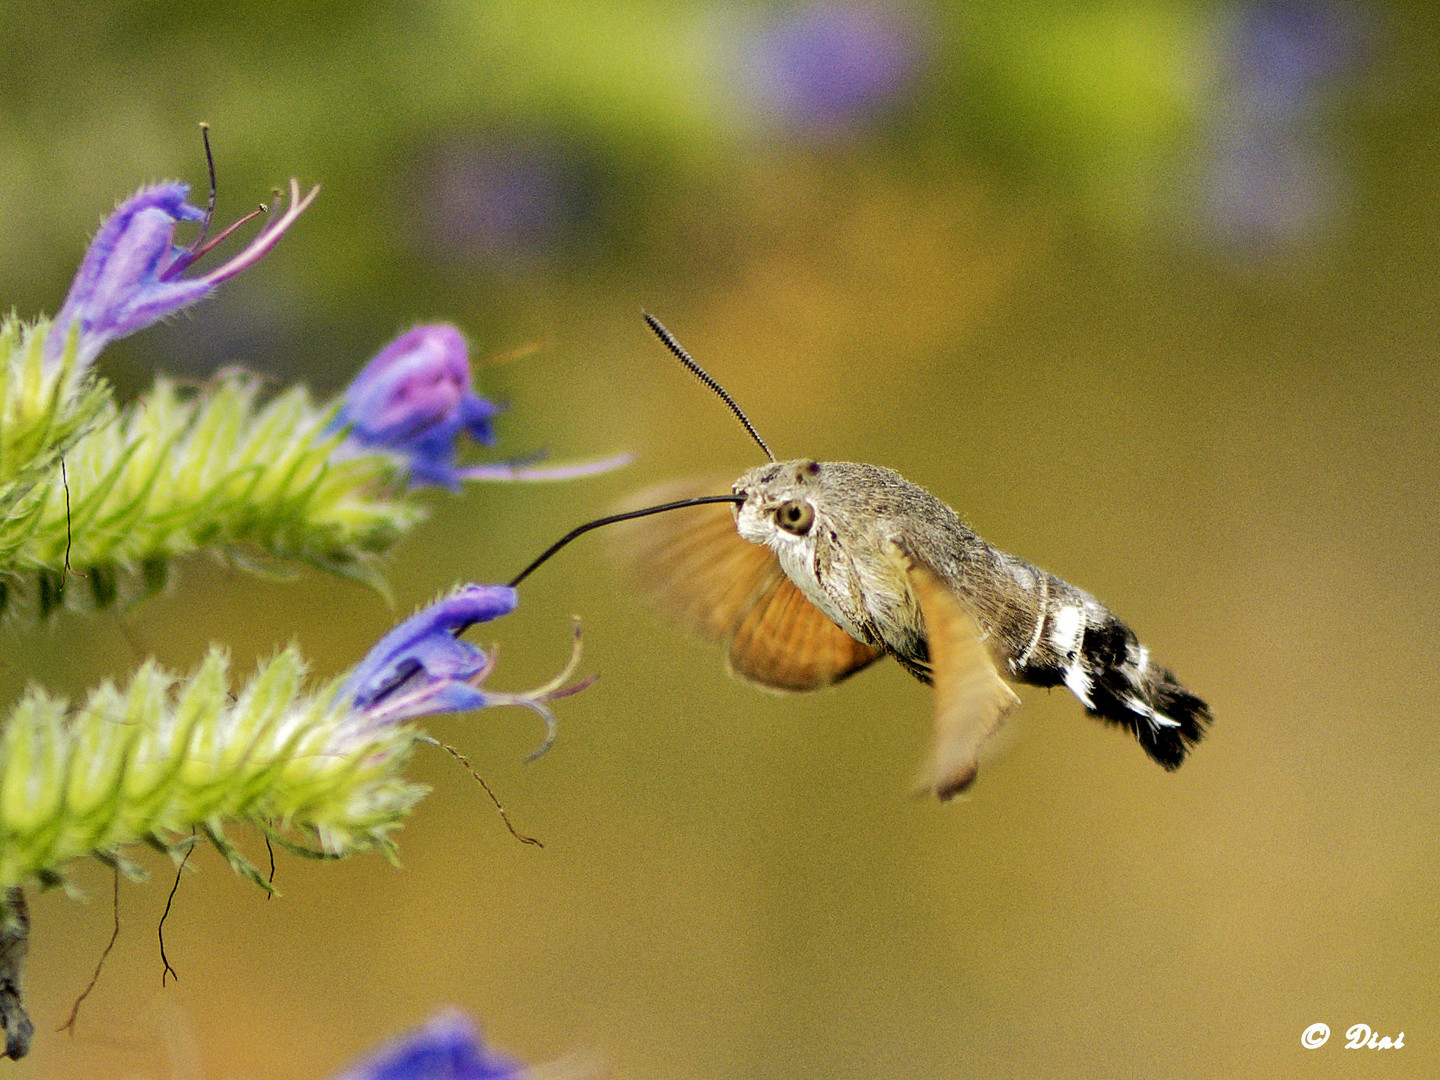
<point x="1146" y="290"/>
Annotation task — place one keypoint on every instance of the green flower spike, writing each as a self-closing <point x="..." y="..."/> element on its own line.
<point x="178" y="472"/>
<point x="169" y="759"/>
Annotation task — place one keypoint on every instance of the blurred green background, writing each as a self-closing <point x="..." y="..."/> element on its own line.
<point x="1147" y="290"/>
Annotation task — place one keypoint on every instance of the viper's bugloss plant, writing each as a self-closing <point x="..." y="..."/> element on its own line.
<point x="168" y="760"/>
<point x="316" y="770"/>
<point x="97" y="500"/>
<point x="184" y="471"/>
<point x="90" y="493"/>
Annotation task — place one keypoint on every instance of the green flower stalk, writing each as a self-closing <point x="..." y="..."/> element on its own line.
<point x="314" y="770"/>
<point x="177" y="472"/>
<point x="168" y="760"/>
<point x="167" y="755"/>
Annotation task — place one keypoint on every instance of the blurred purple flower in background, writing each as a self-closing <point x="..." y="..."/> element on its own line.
<point x="508" y="202"/>
<point x="130" y="277"/>
<point x="414" y="399"/>
<point x="1271" y="179"/>
<point x="446" y="1048"/>
<point x="834" y="67"/>
<point x="1284" y="49"/>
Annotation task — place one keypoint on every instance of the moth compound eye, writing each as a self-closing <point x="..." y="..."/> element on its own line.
<point x="795" y="516"/>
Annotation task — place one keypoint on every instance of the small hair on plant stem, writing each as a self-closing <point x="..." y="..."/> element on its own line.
<point x="269" y="893"/>
<point x="701" y="374"/>
<point x="465" y="762"/>
<point x="160" y="929"/>
<point x="65" y="482"/>
<point x="69" y="1024"/>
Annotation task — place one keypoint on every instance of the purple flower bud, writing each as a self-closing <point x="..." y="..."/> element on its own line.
<point x="414" y="399"/>
<point x="421" y="667"/>
<point x="416" y="382"/>
<point x="446" y="1048"/>
<point x="130" y="276"/>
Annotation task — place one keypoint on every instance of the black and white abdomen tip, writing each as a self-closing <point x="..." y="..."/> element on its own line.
<point x="1101" y="662"/>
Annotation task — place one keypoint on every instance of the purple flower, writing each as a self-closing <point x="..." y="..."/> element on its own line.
<point x="1271" y="178"/>
<point x="1283" y="50"/>
<point x="509" y="202"/>
<point x="832" y="66"/>
<point x="446" y="1048"/>
<point x="422" y="667"/>
<point x="130" y="276"/>
<point x="414" y="399"/>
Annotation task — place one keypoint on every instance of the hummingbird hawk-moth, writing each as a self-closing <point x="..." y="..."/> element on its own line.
<point x="816" y="570"/>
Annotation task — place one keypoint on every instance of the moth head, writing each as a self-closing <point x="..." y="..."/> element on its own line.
<point x="782" y="503"/>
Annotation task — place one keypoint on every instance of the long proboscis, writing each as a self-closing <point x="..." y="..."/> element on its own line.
<point x="581" y="530"/>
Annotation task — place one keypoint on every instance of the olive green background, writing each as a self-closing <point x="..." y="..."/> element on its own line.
<point x="1001" y="285"/>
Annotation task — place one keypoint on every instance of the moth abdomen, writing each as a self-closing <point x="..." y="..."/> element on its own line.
<point x="1101" y="661"/>
<point x="1164" y="699"/>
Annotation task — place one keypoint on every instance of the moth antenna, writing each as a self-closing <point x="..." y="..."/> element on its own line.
<point x="581" y="530"/>
<point x="700" y="373"/>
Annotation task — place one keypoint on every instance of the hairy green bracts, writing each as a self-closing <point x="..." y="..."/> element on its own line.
<point x="168" y="756"/>
<point x="179" y="471"/>
<point x="44" y="409"/>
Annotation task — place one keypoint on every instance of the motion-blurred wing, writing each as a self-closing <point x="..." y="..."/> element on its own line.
<point x="787" y="643"/>
<point x="971" y="699"/>
<point x="729" y="590"/>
